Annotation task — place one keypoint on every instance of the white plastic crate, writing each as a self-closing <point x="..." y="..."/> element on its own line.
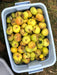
<point x="35" y="65"/>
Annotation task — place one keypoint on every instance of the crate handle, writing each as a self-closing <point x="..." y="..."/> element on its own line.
<point x="22" y="3"/>
<point x="36" y="70"/>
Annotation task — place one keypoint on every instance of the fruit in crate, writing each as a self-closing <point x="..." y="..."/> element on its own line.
<point x="40" y="43"/>
<point x="46" y="42"/>
<point x="25" y="15"/>
<point x="34" y="37"/>
<point x="42" y="25"/>
<point x="29" y="14"/>
<point x="39" y="17"/>
<point x="13" y="49"/>
<point x="14" y="43"/>
<point x="19" y="20"/>
<point x="45" y="32"/>
<point x="40" y="11"/>
<point x="17" y="57"/>
<point x="31" y="22"/>
<point x="41" y="56"/>
<point x="45" y="51"/>
<point x="16" y="28"/>
<point x="17" y="14"/>
<point x="26" y="39"/>
<point x="26" y="55"/>
<point x="32" y="56"/>
<point x="22" y="43"/>
<point x="17" y="37"/>
<point x="9" y="19"/>
<point x="24" y="25"/>
<point x="21" y="49"/>
<point x="13" y="22"/>
<point x="10" y="37"/>
<point x="13" y="15"/>
<point x="36" y="29"/>
<point x="23" y="33"/>
<point x="26" y="61"/>
<point x="37" y="53"/>
<point x="28" y="28"/>
<point x="27" y="49"/>
<point x="27" y="33"/>
<point x="40" y="36"/>
<point x="33" y="10"/>
<point x="9" y="30"/>
<point x="31" y="44"/>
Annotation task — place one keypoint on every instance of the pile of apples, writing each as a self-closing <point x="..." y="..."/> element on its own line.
<point x="27" y="35"/>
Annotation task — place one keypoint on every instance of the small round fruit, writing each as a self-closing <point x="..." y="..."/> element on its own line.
<point x="40" y="36"/>
<point x="45" y="32"/>
<point x="19" y="21"/>
<point x="33" y="10"/>
<point x="28" y="28"/>
<point x="9" y="19"/>
<point x="13" y="22"/>
<point x="21" y="49"/>
<point x="40" y="43"/>
<point x="26" y="39"/>
<point x="16" y="28"/>
<point x="14" y="44"/>
<point x="31" y="22"/>
<point x="17" y="14"/>
<point x="10" y="37"/>
<point x="24" y="25"/>
<point x="25" y="15"/>
<point x="13" y="15"/>
<point x="31" y="44"/>
<point x="34" y="37"/>
<point x="32" y="55"/>
<point x="17" y="37"/>
<point x="39" y="11"/>
<point x="36" y="29"/>
<point x="38" y="52"/>
<point x="9" y="30"/>
<point x="13" y="49"/>
<point x="26" y="61"/>
<point x="42" y="25"/>
<point x="41" y="56"/>
<point x="27" y="49"/>
<point x="17" y="58"/>
<point x="29" y="13"/>
<point x="39" y="17"/>
<point x="46" y="42"/>
<point x="22" y="43"/>
<point x="23" y="33"/>
<point x="45" y="51"/>
<point x="26" y="55"/>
